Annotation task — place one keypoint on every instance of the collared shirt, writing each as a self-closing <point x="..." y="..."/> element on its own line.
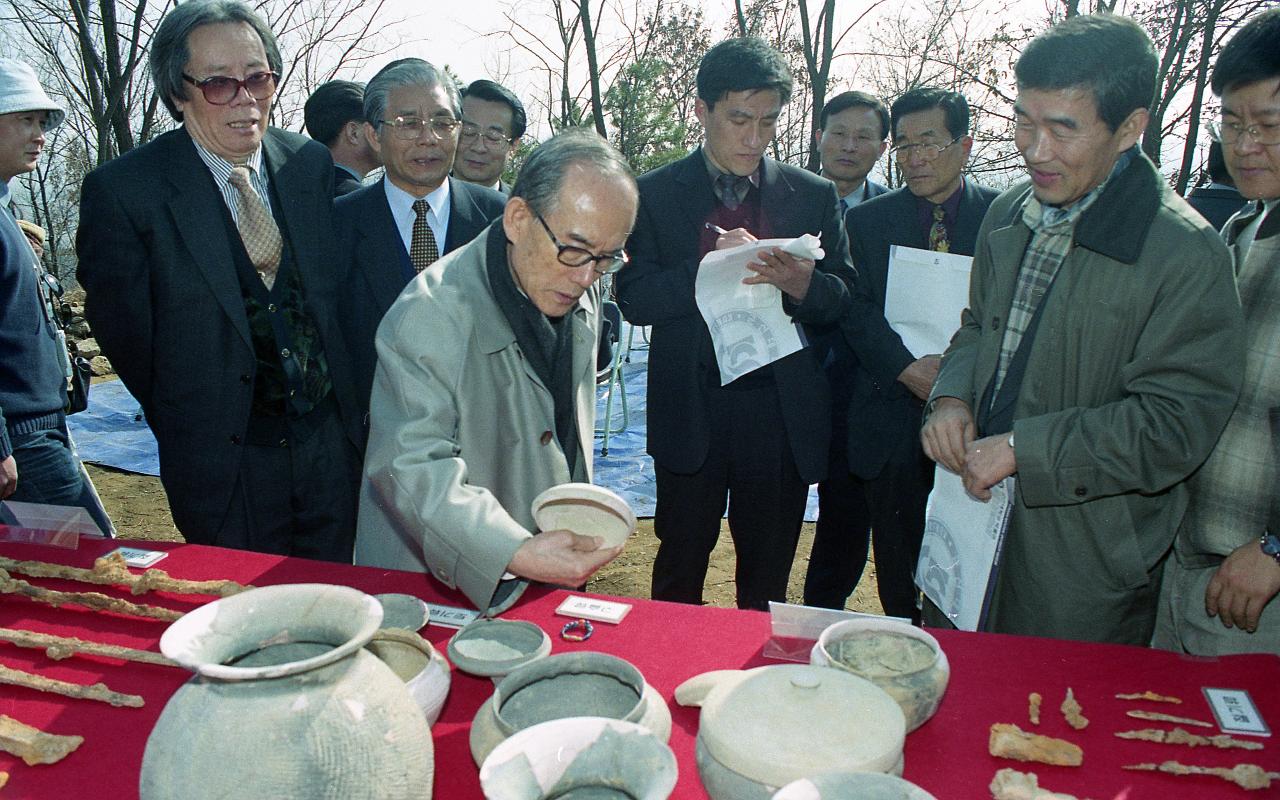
<point x="221" y="169"/>
<point x="950" y="211"/>
<point x="355" y="175"/>
<point x="715" y="173"/>
<point x="402" y="212"/>
<point x="1246" y="237"/>
<point x="859" y="195"/>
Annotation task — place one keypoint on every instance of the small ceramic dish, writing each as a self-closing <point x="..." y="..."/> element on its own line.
<point x="580" y="757"/>
<point x="491" y="648"/>
<point x="585" y="509"/>
<point x="403" y="611"/>
<point x="845" y="785"/>
<point x="421" y="667"/>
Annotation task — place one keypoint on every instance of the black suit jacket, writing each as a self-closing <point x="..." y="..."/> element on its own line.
<point x="657" y="288"/>
<point x="165" y="304"/>
<point x="344" y="182"/>
<point x="883" y="415"/>
<point x="1216" y="204"/>
<point x="370" y="247"/>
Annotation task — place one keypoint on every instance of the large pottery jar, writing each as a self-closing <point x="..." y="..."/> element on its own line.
<point x="286" y="703"/>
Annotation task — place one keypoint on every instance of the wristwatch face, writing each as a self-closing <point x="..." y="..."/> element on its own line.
<point x="1271" y="545"/>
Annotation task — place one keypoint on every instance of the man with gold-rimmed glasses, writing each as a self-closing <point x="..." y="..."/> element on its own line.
<point x="210" y="274"/>
<point x="484" y="394"/>
<point x="391" y="230"/>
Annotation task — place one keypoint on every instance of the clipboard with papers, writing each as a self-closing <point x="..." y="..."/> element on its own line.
<point x="960" y="555"/>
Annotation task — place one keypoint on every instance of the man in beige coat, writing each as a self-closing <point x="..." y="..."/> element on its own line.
<point x="484" y="393"/>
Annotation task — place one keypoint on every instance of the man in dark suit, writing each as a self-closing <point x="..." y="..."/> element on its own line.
<point x="493" y="120"/>
<point x="853" y="136"/>
<point x="393" y="229"/>
<point x="334" y="117"/>
<point x="210" y="276"/>
<point x="1217" y="199"/>
<point x="880" y="479"/>
<point x="758" y="442"/>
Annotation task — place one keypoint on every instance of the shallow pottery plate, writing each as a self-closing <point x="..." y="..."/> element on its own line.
<point x="491" y="648"/>
<point x="862" y="785"/>
<point x="403" y="611"/>
<point x="580" y="756"/>
<point x="585" y="509"/>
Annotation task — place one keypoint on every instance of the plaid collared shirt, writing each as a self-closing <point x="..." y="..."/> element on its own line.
<point x="1053" y="231"/>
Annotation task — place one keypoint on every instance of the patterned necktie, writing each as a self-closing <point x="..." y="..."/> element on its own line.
<point x="727" y="190"/>
<point x="422" y="247"/>
<point x="938" y="233"/>
<point x="258" y="230"/>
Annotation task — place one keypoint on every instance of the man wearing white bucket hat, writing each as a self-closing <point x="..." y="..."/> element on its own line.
<point x="37" y="462"/>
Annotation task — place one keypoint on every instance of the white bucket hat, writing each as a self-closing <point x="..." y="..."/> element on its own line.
<point x="20" y="90"/>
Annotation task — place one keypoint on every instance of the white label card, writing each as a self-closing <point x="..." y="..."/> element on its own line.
<point x="1235" y="712"/>
<point x="136" y="557"/>
<point x="451" y="617"/>
<point x="593" y="609"/>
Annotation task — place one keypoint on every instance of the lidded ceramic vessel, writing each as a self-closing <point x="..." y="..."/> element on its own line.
<point x="582" y="684"/>
<point x="905" y="661"/>
<point x="286" y="702"/>
<point x="763" y="728"/>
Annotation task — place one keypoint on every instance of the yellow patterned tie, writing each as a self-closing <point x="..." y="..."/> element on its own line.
<point x="422" y="246"/>
<point x="938" y="240"/>
<point x="258" y="230"/>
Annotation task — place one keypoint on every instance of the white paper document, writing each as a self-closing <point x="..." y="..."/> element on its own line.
<point x="960" y="554"/>
<point x="748" y="326"/>
<point x="924" y="295"/>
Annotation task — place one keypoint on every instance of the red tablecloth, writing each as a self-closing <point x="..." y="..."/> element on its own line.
<point x="991" y="677"/>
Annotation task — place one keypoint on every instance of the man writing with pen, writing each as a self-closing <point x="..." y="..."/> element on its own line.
<point x="755" y="444"/>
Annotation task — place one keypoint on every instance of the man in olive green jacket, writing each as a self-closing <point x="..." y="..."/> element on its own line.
<point x="1103" y="335"/>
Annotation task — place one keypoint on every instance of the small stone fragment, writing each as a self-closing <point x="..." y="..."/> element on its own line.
<point x="33" y="745"/>
<point x="1010" y="784"/>
<point x="1010" y="741"/>
<point x="1033" y="707"/>
<point x="1071" y="711"/>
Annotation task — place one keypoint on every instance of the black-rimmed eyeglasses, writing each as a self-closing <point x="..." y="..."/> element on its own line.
<point x="576" y="257"/>
<point x="219" y="90"/>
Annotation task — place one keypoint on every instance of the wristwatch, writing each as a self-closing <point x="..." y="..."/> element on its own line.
<point x="1271" y="545"/>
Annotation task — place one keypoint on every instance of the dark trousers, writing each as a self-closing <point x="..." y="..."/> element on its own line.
<point x="297" y="497"/>
<point x="886" y="512"/>
<point x="49" y="472"/>
<point x="749" y="468"/>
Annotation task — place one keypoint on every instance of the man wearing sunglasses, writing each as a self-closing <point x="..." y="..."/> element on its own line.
<point x="391" y="230"/>
<point x="485" y="388"/>
<point x="493" y="120"/>
<point x="207" y="260"/>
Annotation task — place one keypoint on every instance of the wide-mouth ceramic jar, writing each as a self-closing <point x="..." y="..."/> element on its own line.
<point x="582" y="684"/>
<point x="903" y="660"/>
<point x="286" y="702"/>
<point x="763" y="728"/>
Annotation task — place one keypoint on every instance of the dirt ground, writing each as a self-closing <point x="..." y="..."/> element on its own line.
<point x="138" y="507"/>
